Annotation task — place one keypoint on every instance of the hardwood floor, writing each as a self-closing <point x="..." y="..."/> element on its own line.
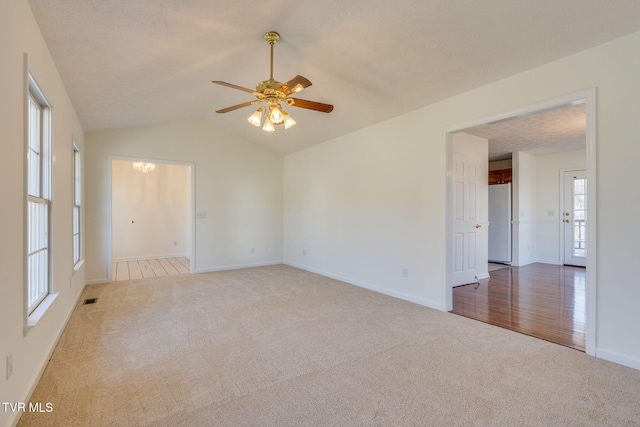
<point x="542" y="300"/>
<point x="144" y="268"/>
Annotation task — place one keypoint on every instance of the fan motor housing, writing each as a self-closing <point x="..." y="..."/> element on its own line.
<point x="267" y="84"/>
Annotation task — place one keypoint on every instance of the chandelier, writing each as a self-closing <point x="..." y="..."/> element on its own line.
<point x="144" y="167"/>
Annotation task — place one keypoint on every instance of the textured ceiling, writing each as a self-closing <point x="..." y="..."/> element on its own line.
<point x="552" y="131"/>
<point x="131" y="63"/>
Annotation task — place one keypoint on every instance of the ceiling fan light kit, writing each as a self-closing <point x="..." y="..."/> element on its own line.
<point x="272" y="93"/>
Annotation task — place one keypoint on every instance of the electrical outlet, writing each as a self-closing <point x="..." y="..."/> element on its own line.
<point x="9" y="365"/>
<point x="175" y="243"/>
<point x="201" y="214"/>
<point x="405" y="272"/>
<point x="304" y="252"/>
<point x="253" y="250"/>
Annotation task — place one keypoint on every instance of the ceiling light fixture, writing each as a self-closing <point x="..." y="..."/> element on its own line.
<point x="288" y="121"/>
<point x="256" y="118"/>
<point x="273" y="93"/>
<point x="144" y="167"/>
<point x="275" y="114"/>
<point x="268" y="126"/>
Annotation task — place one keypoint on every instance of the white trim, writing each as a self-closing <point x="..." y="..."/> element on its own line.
<point x="523" y="263"/>
<point x="75" y="149"/>
<point x="374" y="288"/>
<point x="25" y="189"/>
<point x="549" y="261"/>
<point x="98" y="281"/>
<point x="32" y="90"/>
<point x="615" y="357"/>
<point x="78" y="266"/>
<point x="589" y="97"/>
<point x="448" y="209"/>
<point x="237" y="266"/>
<point x="192" y="185"/>
<point x="591" y="284"/>
<point x="39" y="312"/>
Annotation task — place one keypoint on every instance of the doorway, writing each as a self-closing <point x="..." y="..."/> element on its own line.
<point x="588" y="98"/>
<point x="151" y="217"/>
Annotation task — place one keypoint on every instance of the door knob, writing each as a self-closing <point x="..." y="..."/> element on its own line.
<point x="477" y="226"/>
<point x="567" y="220"/>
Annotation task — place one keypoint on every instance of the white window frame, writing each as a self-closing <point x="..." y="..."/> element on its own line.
<point x="38" y="198"/>
<point x="77" y="207"/>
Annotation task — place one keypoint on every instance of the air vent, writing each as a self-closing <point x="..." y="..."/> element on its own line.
<point x="90" y="301"/>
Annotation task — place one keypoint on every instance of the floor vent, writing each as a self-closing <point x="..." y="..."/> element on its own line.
<point x="90" y="301"/>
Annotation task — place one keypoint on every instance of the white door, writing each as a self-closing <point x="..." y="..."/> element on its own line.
<point x="466" y="228"/>
<point x="574" y="218"/>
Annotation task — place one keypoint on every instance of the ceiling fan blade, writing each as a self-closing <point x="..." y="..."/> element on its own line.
<point x="235" y="107"/>
<point x="232" y="86"/>
<point x="311" y="105"/>
<point x="296" y="84"/>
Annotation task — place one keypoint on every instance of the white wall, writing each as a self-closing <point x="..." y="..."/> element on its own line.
<point x="150" y="211"/>
<point x="369" y="203"/>
<point x="524" y="209"/>
<point x="237" y="185"/>
<point x="478" y="148"/>
<point x="549" y="204"/>
<point x="19" y="34"/>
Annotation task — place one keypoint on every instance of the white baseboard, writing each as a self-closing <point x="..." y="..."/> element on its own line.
<point x="35" y="379"/>
<point x="98" y="281"/>
<point x="236" y="266"/>
<point x="483" y="276"/>
<point x="619" y="358"/>
<point x="549" y="261"/>
<point x="523" y="263"/>
<point x="389" y="292"/>
<point x="136" y="258"/>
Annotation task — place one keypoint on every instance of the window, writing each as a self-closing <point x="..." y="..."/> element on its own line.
<point x="38" y="196"/>
<point x="76" y="205"/>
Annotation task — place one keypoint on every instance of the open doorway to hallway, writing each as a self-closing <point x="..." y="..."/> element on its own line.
<point x="538" y="221"/>
<point x="151" y="219"/>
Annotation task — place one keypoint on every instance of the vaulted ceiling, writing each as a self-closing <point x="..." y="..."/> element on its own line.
<point x="132" y="63"/>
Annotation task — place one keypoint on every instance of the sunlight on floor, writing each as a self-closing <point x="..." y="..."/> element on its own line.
<point x="144" y="268"/>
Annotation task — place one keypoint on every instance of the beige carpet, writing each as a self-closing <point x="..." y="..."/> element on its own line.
<point x="277" y="346"/>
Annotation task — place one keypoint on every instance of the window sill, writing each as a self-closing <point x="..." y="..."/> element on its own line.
<point x="38" y="313"/>
<point x="78" y="265"/>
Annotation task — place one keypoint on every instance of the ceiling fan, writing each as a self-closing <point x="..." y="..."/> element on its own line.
<point x="272" y="93"/>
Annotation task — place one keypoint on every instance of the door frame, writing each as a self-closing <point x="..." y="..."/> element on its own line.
<point x="589" y="98"/>
<point x="109" y="204"/>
